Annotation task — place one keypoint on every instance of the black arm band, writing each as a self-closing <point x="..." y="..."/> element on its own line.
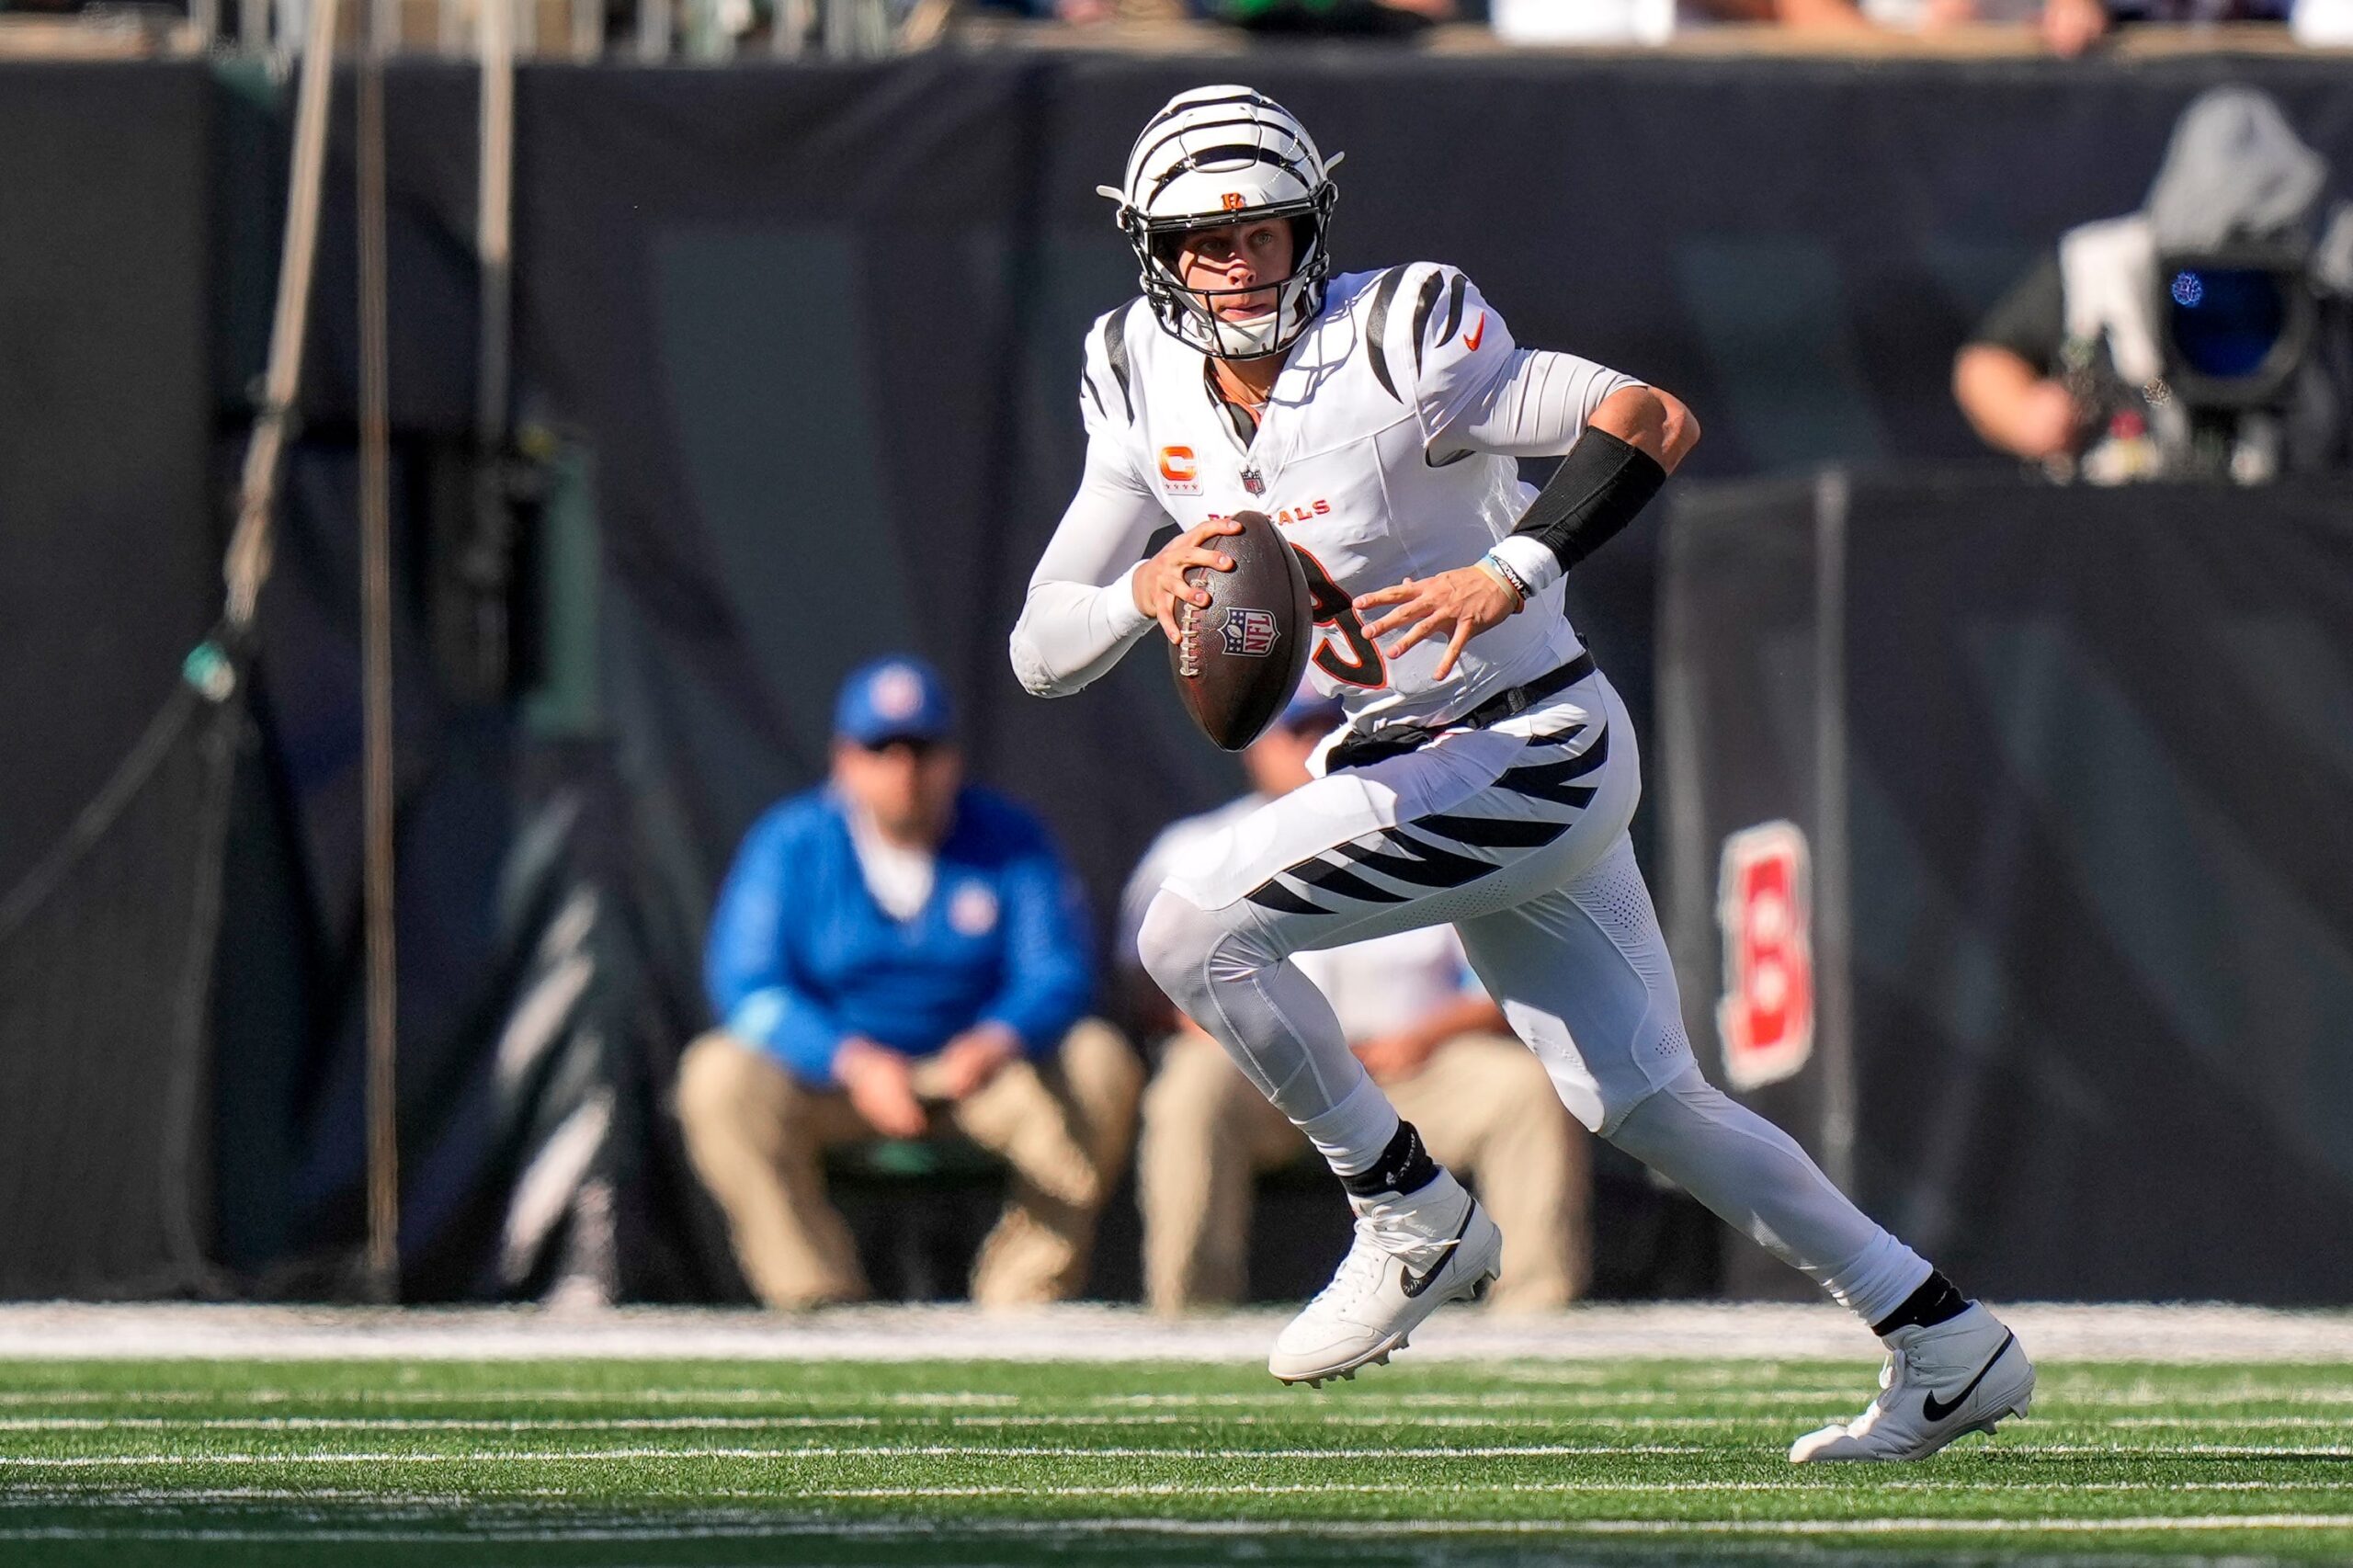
<point x="1594" y="494"/>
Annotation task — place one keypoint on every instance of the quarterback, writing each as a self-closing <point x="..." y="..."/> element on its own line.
<point x="1487" y="772"/>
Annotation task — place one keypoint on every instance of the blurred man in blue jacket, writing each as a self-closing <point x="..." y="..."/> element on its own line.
<point x="902" y="955"/>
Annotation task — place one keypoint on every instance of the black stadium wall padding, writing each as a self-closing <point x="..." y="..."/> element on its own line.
<point x="811" y="338"/>
<point x="2097" y="759"/>
<point x="109" y="546"/>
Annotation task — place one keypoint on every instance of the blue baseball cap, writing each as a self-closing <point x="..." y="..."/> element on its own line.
<point x="894" y="699"/>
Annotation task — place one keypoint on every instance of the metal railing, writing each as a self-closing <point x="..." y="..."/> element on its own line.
<point x="708" y="31"/>
<point x="649" y="30"/>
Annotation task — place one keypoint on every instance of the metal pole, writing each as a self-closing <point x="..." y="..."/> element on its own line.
<point x="246" y="566"/>
<point x="494" y="221"/>
<point x="1834" y="912"/>
<point x="488" y="563"/>
<point x="376" y="688"/>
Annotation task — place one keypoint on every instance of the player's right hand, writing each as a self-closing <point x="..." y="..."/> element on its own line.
<point x="1160" y="586"/>
<point x="881" y="1083"/>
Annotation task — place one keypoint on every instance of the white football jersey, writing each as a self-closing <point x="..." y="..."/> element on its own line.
<point x="1354" y="457"/>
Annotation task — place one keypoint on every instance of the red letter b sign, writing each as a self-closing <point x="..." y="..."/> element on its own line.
<point x="1766" y="1014"/>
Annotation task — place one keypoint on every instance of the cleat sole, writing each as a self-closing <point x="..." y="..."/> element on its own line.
<point x="1378" y="1357"/>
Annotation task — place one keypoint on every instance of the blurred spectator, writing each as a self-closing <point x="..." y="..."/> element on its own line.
<point x="2068" y="26"/>
<point x="2323" y="23"/>
<point x="1374" y="18"/>
<point x="900" y="955"/>
<point x="1421" y="1026"/>
<point x="2206" y="334"/>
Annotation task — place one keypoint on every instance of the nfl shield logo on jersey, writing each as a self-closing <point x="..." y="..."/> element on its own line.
<point x="1250" y="631"/>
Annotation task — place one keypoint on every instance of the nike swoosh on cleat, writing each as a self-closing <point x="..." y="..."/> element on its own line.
<point x="1938" y="1411"/>
<point x="1413" y="1286"/>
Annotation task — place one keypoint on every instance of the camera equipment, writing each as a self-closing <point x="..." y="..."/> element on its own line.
<point x="2235" y="326"/>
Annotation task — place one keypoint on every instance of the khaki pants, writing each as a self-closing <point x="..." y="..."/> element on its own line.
<point x="1485" y="1106"/>
<point x="757" y="1137"/>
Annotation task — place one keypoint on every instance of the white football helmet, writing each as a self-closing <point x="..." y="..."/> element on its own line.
<point x="1218" y="155"/>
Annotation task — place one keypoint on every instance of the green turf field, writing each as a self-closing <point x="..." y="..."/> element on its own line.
<point x="644" y="1464"/>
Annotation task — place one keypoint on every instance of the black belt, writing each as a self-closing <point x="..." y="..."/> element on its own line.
<point x="1396" y="740"/>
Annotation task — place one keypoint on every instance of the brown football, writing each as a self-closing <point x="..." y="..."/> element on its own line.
<point x="1240" y="657"/>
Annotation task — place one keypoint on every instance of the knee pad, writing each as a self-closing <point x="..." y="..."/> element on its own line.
<point x="1183" y="946"/>
<point x="1172" y="941"/>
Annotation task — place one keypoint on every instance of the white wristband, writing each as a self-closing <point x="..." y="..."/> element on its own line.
<point x="1537" y="566"/>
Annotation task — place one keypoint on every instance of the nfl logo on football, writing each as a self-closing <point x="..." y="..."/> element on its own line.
<point x="1250" y="631"/>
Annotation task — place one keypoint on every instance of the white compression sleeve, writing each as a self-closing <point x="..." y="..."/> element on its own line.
<point x="1757" y="1178"/>
<point x="1080" y="616"/>
<point x="1536" y="407"/>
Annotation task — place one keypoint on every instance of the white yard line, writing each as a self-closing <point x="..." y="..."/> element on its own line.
<point x="1330" y="1530"/>
<point x="870" y="1450"/>
<point x="1790" y="1488"/>
<point x="2200" y="1450"/>
<point x="1681" y="1388"/>
<point x="1748" y="1331"/>
<point x="182" y="1459"/>
<point x="1796" y="1485"/>
<point x="2229" y="1423"/>
<point x="391" y="1425"/>
<point x="232" y="1394"/>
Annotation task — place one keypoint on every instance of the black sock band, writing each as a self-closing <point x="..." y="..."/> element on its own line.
<point x="1935" y="1302"/>
<point x="1404" y="1166"/>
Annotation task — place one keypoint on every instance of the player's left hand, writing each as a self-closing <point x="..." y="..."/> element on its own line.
<point x="973" y="1058"/>
<point x="1457" y="604"/>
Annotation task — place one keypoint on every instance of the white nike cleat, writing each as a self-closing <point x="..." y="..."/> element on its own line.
<point x="1411" y="1254"/>
<point x="1966" y="1374"/>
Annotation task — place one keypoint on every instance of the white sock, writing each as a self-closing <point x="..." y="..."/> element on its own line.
<point x="1352" y="1134"/>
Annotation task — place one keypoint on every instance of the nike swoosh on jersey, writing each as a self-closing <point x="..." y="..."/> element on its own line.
<point x="1414" y="1284"/>
<point x="1471" y="339"/>
<point x="1935" y="1410"/>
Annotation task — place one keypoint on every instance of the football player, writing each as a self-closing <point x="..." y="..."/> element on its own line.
<point x="1488" y="771"/>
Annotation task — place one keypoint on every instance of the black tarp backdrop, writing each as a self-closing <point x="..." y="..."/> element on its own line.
<point x="815" y="331"/>
<point x="2099" y="757"/>
<point x="109" y="574"/>
<point x="108" y="544"/>
<point x="821" y="330"/>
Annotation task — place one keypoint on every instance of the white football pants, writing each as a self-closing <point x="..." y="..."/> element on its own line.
<point x="1515" y="834"/>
